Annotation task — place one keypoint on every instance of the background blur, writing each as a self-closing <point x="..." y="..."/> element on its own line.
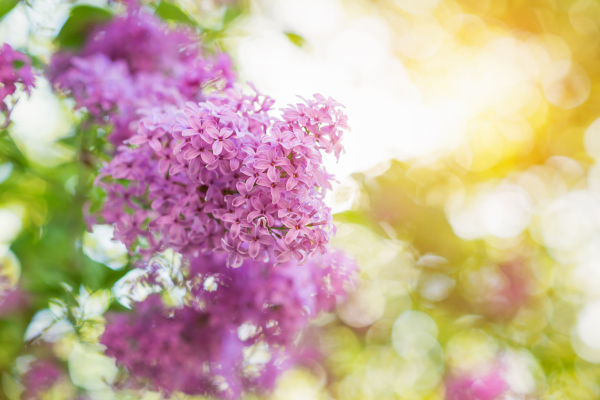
<point x="469" y="194"/>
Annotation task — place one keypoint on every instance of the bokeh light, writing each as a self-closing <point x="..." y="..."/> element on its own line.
<point x="469" y="196"/>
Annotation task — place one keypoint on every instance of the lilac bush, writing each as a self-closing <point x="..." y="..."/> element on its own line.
<point x="200" y="169"/>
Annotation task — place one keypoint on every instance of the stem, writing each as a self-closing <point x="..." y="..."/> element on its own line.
<point x="279" y="228"/>
<point x="77" y="225"/>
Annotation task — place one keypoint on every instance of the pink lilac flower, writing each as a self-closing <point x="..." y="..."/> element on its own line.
<point x="224" y="175"/>
<point x="39" y="378"/>
<point x="206" y="346"/>
<point x="12" y="300"/>
<point x="135" y="62"/>
<point x="488" y="386"/>
<point x="15" y="67"/>
<point x="502" y="297"/>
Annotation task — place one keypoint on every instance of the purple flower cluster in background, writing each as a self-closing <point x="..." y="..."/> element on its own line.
<point x="223" y="176"/>
<point x="133" y="62"/>
<point x="476" y="386"/>
<point x="236" y="330"/>
<point x="12" y="300"/>
<point x="15" y="67"/>
<point x="40" y="376"/>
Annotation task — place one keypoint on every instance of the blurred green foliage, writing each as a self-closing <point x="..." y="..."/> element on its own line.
<point x="77" y="26"/>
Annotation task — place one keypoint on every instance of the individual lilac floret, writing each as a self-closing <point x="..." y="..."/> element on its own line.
<point x="236" y="330"/>
<point x="224" y="176"/>
<point x="136" y="61"/>
<point x="15" y="67"/>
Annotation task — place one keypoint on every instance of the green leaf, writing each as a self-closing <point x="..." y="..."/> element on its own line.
<point x="18" y="64"/>
<point x="6" y="6"/>
<point x="36" y="62"/>
<point x="231" y="14"/>
<point x="171" y="12"/>
<point x="71" y="141"/>
<point x="296" y="39"/>
<point x="81" y="20"/>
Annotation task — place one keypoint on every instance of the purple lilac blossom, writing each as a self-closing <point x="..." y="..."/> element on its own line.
<point x="225" y="176"/>
<point x="12" y="300"/>
<point x="15" y="67"/>
<point x="237" y="328"/>
<point x="488" y="386"/>
<point x="136" y="61"/>
<point x="39" y="378"/>
<point x="510" y="292"/>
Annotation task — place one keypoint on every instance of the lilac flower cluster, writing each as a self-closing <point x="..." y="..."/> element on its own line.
<point x="15" y="67"/>
<point x="224" y="176"/>
<point x="237" y="329"/>
<point x="134" y="62"/>
<point x="222" y="182"/>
